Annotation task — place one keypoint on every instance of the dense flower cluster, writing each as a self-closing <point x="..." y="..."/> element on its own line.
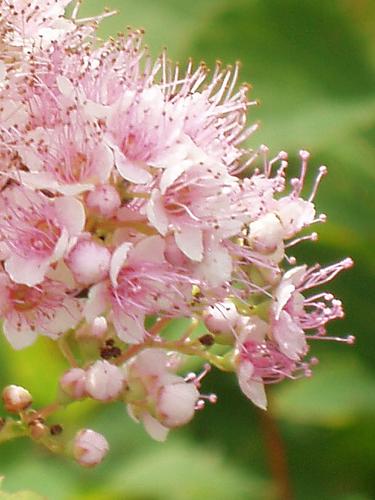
<point x="128" y="202"/>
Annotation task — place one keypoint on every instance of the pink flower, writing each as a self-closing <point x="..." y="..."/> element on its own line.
<point x="141" y="282"/>
<point x="169" y="401"/>
<point x="45" y="309"/>
<point x="215" y="114"/>
<point x="69" y="158"/>
<point x="32" y="25"/>
<point x="37" y="232"/>
<point x="143" y="133"/>
<point x="193" y="199"/>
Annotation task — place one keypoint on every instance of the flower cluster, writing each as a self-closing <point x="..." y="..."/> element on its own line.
<point x="128" y="201"/>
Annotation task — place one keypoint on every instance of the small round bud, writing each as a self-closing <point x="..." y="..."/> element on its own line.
<point x="73" y="383"/>
<point x="99" y="327"/>
<point x="177" y="403"/>
<point x="89" y="447"/>
<point x="16" y="398"/>
<point x="88" y="261"/>
<point x="221" y="318"/>
<point x="104" y="200"/>
<point x="104" y="381"/>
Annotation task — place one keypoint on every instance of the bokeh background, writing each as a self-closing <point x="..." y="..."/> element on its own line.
<point x="312" y="66"/>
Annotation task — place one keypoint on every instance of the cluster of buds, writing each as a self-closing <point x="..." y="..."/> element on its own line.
<point x="128" y="202"/>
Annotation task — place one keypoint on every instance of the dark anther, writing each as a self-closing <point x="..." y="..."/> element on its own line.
<point x="106" y="352"/>
<point x="55" y="429"/>
<point x="207" y="340"/>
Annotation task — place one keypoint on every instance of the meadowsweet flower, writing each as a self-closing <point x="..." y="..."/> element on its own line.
<point x="130" y="205"/>
<point x="37" y="232"/>
<point x="169" y="401"/>
<point x="46" y="309"/>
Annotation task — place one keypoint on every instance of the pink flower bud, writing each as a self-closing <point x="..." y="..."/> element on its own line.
<point x="89" y="447"/>
<point x="104" y="381"/>
<point x="176" y="404"/>
<point x="73" y="383"/>
<point x="266" y="233"/>
<point x="221" y="318"/>
<point x="16" y="398"/>
<point x="88" y="261"/>
<point x="99" y="327"/>
<point x="104" y="200"/>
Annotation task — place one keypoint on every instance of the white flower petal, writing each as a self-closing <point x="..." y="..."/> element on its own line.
<point x="253" y="389"/>
<point x="18" y="337"/>
<point x="26" y="271"/>
<point x="154" y="428"/>
<point x="96" y="303"/>
<point x="71" y="214"/>
<point x="128" y="329"/>
<point x="156" y="213"/>
<point x="131" y="171"/>
<point x="189" y="240"/>
<point x="118" y="259"/>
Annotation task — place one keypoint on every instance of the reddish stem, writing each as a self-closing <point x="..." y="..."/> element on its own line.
<point x="276" y="455"/>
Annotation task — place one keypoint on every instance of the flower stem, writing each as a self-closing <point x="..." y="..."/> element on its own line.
<point x="276" y="455"/>
<point x="67" y="352"/>
<point x="12" y="429"/>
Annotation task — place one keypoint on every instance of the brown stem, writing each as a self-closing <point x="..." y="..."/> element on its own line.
<point x="276" y="455"/>
<point x="48" y="410"/>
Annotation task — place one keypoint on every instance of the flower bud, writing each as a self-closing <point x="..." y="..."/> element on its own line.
<point x="104" y="200"/>
<point x="221" y="318"/>
<point x="89" y="447"/>
<point x="104" y="381"/>
<point x="73" y="383"/>
<point x="88" y="261"/>
<point x="16" y="398"/>
<point x="99" y="327"/>
<point x="176" y="404"/>
<point x="266" y="233"/>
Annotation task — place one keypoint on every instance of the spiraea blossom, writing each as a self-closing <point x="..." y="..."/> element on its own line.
<point x="129" y="201"/>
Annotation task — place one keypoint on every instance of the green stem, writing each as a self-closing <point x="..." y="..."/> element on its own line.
<point x="67" y="352"/>
<point x="12" y="429"/>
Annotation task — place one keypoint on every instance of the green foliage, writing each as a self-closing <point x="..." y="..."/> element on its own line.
<point x="20" y="495"/>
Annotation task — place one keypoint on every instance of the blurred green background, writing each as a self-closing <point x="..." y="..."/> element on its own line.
<point x="312" y="66"/>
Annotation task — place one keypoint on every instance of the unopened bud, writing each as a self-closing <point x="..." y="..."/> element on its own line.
<point x="16" y="398"/>
<point x="177" y="403"/>
<point x="221" y="318"/>
<point x="104" y="200"/>
<point x="88" y="261"/>
<point x="99" y="327"/>
<point x="104" y="381"/>
<point x="89" y="448"/>
<point x="73" y="383"/>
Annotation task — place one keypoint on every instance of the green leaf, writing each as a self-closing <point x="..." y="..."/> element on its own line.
<point x="340" y="392"/>
<point x="19" y="495"/>
<point x="182" y="471"/>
